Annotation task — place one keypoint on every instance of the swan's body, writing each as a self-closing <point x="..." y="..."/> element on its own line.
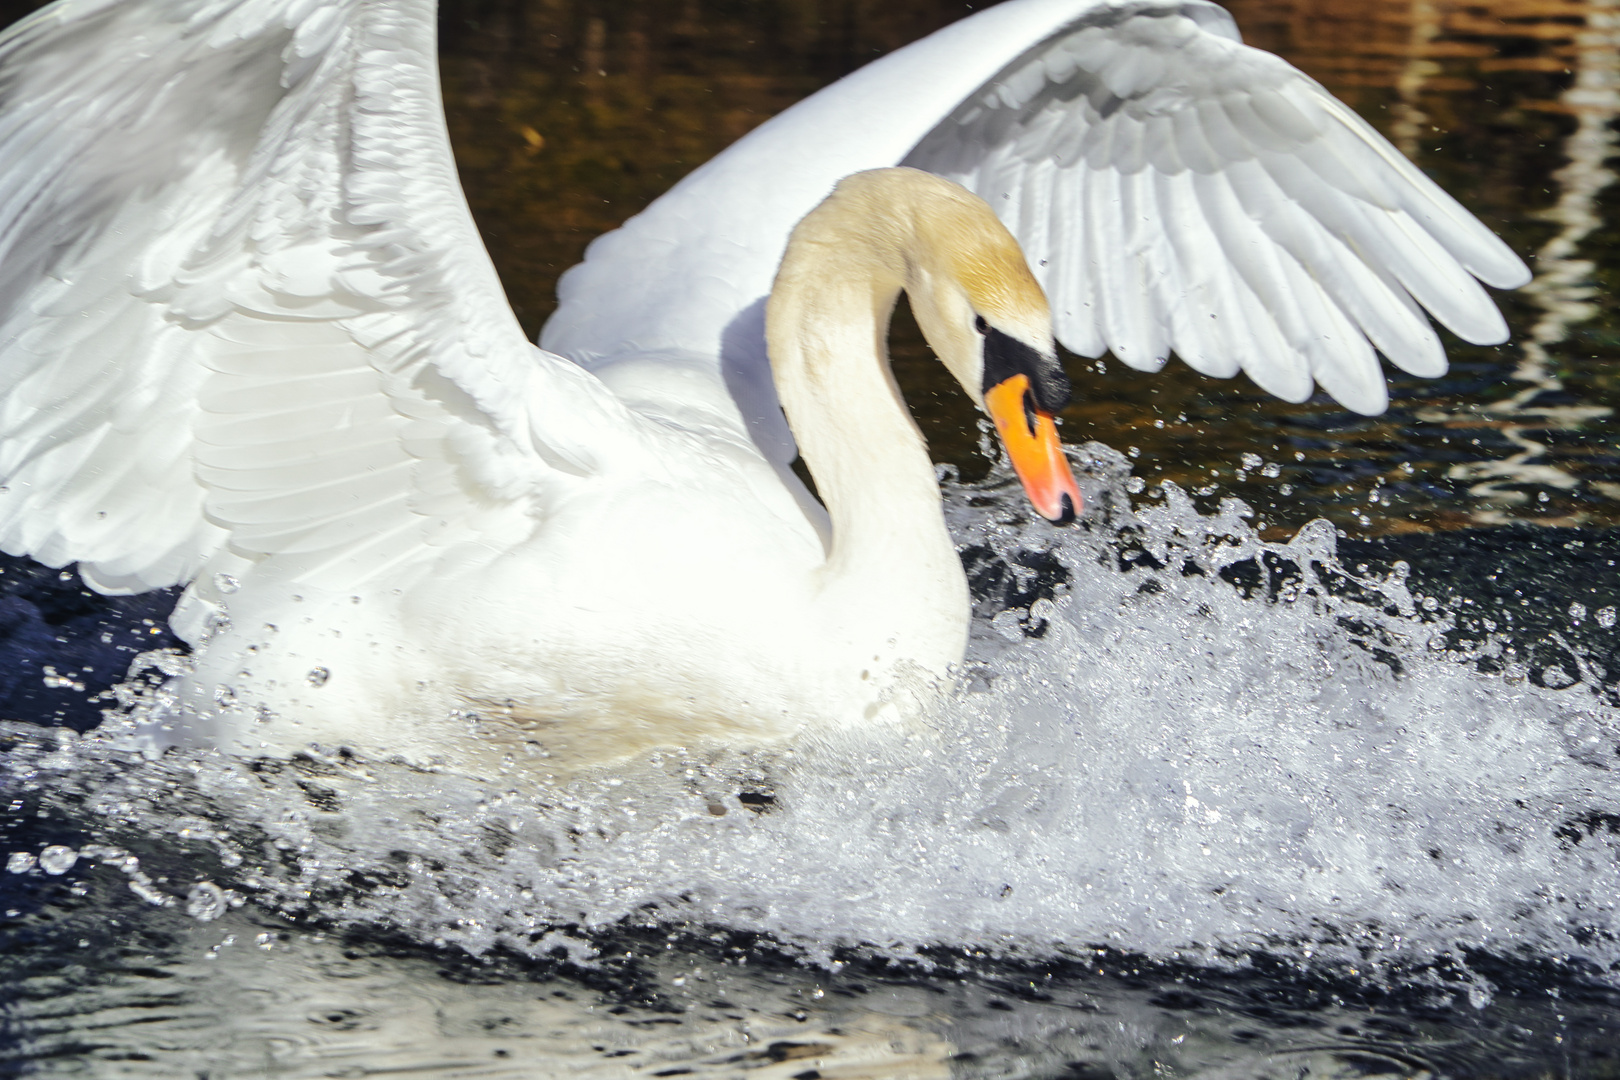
<point x="253" y="344"/>
<point x="566" y="643"/>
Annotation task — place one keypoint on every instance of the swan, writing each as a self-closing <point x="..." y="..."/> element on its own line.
<point x="251" y="343"/>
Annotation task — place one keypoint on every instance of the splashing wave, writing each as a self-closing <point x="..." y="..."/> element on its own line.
<point x="1171" y="738"/>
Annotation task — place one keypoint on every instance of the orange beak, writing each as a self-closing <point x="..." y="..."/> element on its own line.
<point x="1030" y="436"/>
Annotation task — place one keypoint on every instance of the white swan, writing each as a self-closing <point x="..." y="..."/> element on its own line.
<point x="250" y="341"/>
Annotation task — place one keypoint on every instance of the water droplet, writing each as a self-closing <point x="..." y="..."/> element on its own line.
<point x="226" y="584"/>
<point x="1253" y="461"/>
<point x="1605" y="617"/>
<point x="318" y="676"/>
<point x="1577" y="612"/>
<point x="20" y="862"/>
<point x="206" y="901"/>
<point x="57" y="859"/>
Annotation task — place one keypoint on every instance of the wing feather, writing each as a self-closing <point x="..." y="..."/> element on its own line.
<point x="243" y="307"/>
<point x="1071" y="270"/>
<point x="1265" y="226"/>
<point x="1052" y="103"/>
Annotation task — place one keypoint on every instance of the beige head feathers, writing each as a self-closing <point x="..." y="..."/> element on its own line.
<point x="902" y="228"/>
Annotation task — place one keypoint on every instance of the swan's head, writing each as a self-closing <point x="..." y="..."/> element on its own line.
<point x="986" y="317"/>
<point x="974" y="297"/>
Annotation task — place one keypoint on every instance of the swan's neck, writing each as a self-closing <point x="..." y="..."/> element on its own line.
<point x="891" y="561"/>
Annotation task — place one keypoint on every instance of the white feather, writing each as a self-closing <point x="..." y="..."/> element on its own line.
<point x="1369" y="241"/>
<point x="198" y="222"/>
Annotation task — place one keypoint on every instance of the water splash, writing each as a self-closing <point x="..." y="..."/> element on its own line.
<point x="1171" y="738"/>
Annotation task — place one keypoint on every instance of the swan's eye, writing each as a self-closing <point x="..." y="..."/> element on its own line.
<point x="1006" y="356"/>
<point x="980" y="325"/>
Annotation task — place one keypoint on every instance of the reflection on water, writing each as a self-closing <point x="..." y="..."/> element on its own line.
<point x="1409" y="123"/>
<point x="1563" y="288"/>
<point x="244" y="996"/>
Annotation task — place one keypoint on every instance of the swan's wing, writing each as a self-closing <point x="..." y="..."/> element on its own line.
<point x="1183" y="190"/>
<point x="244" y="312"/>
<point x="688" y="276"/>
<point x="1175" y="189"/>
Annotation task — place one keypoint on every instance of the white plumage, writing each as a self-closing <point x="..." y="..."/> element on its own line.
<point x="250" y="340"/>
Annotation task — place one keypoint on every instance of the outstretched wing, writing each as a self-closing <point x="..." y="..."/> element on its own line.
<point x="244" y="311"/>
<point x="1173" y="188"/>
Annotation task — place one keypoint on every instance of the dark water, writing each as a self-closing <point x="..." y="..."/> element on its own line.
<point x="1498" y="485"/>
<point x="100" y="984"/>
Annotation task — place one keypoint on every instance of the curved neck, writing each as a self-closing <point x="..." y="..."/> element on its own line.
<point x="826" y="325"/>
<point x="856" y="435"/>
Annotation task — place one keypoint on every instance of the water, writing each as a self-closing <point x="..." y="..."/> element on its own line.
<point x="308" y="1005"/>
<point x="1201" y="802"/>
<point x="1220" y="794"/>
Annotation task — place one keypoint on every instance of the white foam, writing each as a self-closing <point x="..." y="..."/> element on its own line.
<point x="1171" y="769"/>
